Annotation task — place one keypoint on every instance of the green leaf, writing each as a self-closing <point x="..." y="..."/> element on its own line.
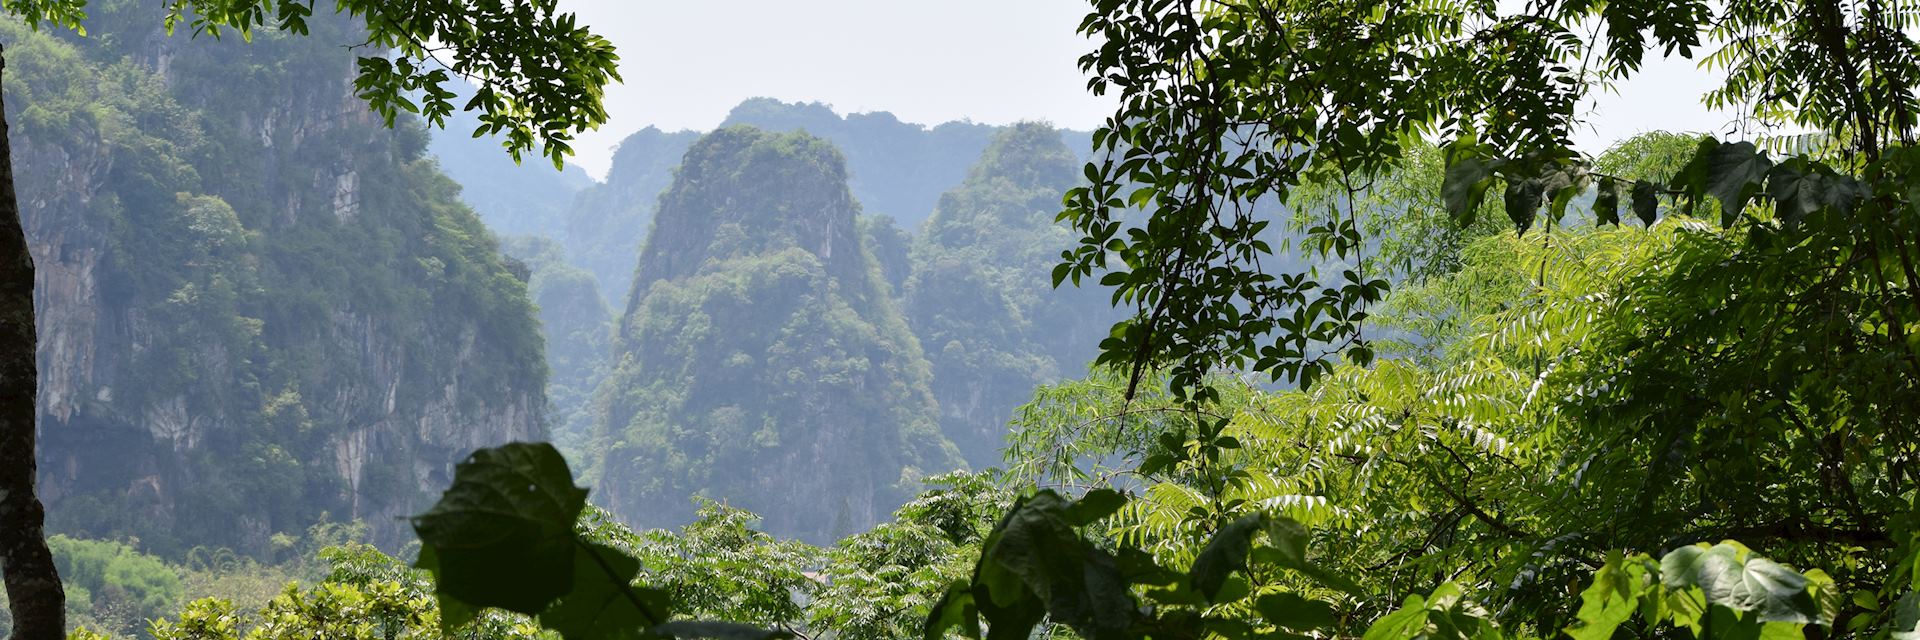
<point x="1035" y="563"/>
<point x="1730" y="576"/>
<point x="954" y="609"/>
<point x="716" y="631"/>
<point x="1224" y="554"/>
<point x="1646" y="201"/>
<point x="1466" y="181"/>
<point x="1561" y="185"/>
<point x="1294" y="612"/>
<point x="1010" y="608"/>
<point x="1406" y="623"/>
<point x="454" y="614"/>
<point x="1733" y="176"/>
<point x="1606" y="202"/>
<point x="502" y="535"/>
<point x="603" y="603"/>
<point x="1801" y="188"/>
<point x="1139" y="567"/>
<point x="1610" y="601"/>
<point x="1094" y="506"/>
<point x="1523" y="201"/>
<point x="1906" y="617"/>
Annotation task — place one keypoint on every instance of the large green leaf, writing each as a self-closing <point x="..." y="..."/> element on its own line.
<point x="954" y="609"/>
<point x="1561" y="185"/>
<point x="1523" y="199"/>
<point x="502" y="535"/>
<point x="1730" y="576"/>
<point x="1224" y="554"/>
<point x="1611" y="600"/>
<point x="1906" y="617"/>
<point x="1095" y="506"/>
<point x="1606" y="201"/>
<point x="1294" y="612"/>
<point x="1733" y="174"/>
<point x="454" y="613"/>
<point x="1001" y="594"/>
<point x="602" y="603"/>
<point x="1646" y="202"/>
<point x="1036" y="555"/>
<point x="1801" y="188"/>
<point x="1465" y="184"/>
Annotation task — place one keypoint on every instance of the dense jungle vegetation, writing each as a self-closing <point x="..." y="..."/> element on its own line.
<point x="1330" y="331"/>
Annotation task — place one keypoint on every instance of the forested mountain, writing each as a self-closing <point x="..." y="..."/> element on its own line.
<point x="257" y="303"/>
<point x="607" y="222"/>
<point x="896" y="168"/>
<point x="979" y="296"/>
<point x="577" y="325"/>
<point x="761" y="358"/>
<point x="972" y="282"/>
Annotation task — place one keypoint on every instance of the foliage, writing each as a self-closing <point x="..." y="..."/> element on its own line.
<point x="111" y="586"/>
<point x="1229" y="103"/>
<point x="540" y="75"/>
<point x="362" y="594"/>
<point x="882" y="583"/>
<point x="504" y="537"/>
<point x="1736" y="375"/>
<point x="1507" y="457"/>
<point x="718" y="566"/>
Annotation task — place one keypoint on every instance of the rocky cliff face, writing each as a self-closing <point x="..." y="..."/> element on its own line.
<point x="761" y="358"/>
<point x="257" y="305"/>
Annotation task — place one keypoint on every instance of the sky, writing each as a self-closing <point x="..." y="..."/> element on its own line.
<point x="688" y="62"/>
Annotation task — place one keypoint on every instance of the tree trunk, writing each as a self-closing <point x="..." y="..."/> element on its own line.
<point x="33" y="584"/>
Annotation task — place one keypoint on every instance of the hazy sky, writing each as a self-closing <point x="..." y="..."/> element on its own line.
<point x="687" y="62"/>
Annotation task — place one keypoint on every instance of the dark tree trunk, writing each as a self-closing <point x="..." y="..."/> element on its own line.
<point x="33" y="584"/>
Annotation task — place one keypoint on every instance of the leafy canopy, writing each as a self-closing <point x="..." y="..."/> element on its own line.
<point x="540" y="76"/>
<point x="1230" y="108"/>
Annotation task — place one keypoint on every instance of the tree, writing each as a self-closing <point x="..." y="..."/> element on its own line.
<point x="1770" y="343"/>
<point x="539" y="80"/>
<point x="1228" y="107"/>
<point x="1765" y="343"/>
